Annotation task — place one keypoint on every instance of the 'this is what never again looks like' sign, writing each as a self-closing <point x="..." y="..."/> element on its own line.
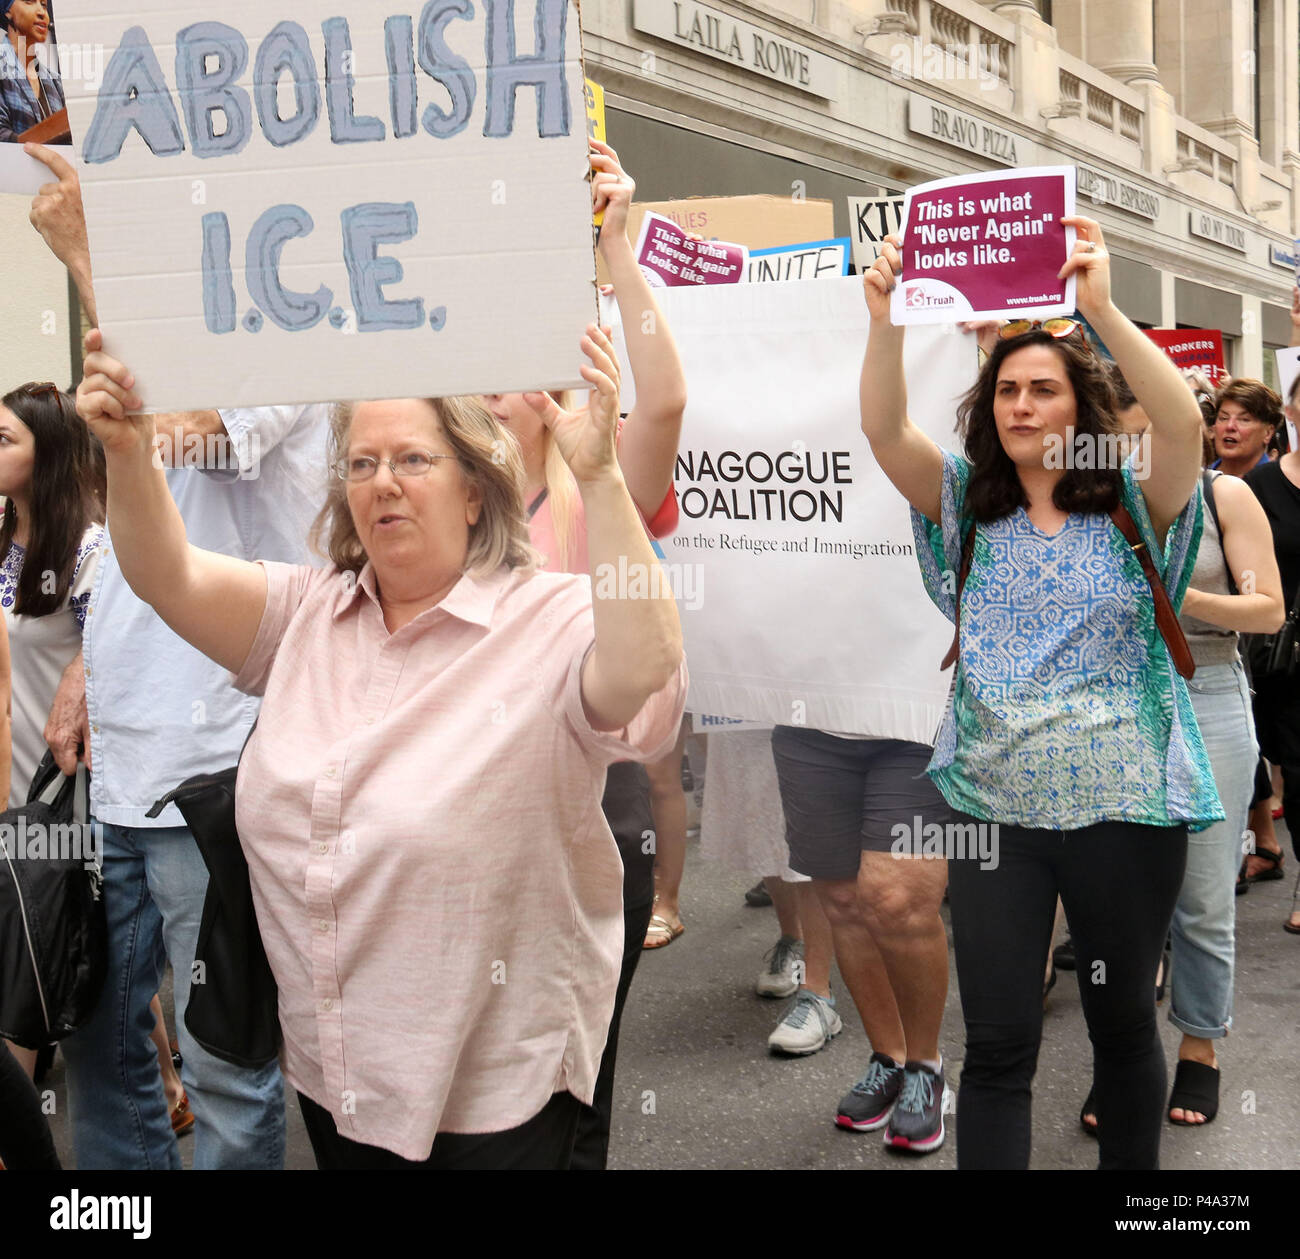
<point x="289" y="206"/>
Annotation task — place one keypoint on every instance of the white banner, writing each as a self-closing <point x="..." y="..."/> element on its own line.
<point x="806" y="603"/>
<point x="290" y="206"/>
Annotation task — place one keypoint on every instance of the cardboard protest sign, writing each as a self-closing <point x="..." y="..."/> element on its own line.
<point x="758" y="222"/>
<point x="809" y="606"/>
<point x="871" y="219"/>
<point x="285" y="207"/>
<point x="817" y="260"/>
<point x="669" y="258"/>
<point x="987" y="246"/>
<point x="1188" y="348"/>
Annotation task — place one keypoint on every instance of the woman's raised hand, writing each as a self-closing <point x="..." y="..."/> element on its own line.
<point x="612" y="190"/>
<point x="106" y="400"/>
<point x="1090" y="264"/>
<point x="879" y="280"/>
<point x="586" y="437"/>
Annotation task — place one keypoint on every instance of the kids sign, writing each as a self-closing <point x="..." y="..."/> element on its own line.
<point x="986" y="247"/>
<point x="290" y="203"/>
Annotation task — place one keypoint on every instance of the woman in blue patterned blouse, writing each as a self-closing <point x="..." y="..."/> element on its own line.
<point x="30" y="90"/>
<point x="1070" y="733"/>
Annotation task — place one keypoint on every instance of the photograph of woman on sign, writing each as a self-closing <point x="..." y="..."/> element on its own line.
<point x="31" y="95"/>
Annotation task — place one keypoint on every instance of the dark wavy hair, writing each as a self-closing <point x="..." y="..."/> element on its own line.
<point x="61" y="499"/>
<point x="994" y="489"/>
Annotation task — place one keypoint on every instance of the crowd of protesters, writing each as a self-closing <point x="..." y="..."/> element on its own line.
<point x="382" y="612"/>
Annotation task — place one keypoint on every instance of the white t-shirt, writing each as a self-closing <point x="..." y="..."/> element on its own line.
<point x="40" y="648"/>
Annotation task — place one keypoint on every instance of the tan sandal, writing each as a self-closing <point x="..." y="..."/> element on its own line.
<point x="661" y="932"/>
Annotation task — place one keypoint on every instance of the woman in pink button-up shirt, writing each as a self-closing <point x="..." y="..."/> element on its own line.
<point x="436" y="886"/>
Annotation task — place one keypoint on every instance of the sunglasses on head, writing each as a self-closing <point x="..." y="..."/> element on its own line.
<point x="41" y="389"/>
<point x="1053" y="327"/>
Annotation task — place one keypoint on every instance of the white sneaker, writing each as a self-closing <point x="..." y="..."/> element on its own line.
<point x="784" y="971"/>
<point x="808" y="1025"/>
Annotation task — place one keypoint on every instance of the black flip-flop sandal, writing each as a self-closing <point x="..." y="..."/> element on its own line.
<point x="1196" y="1087"/>
<point x="1270" y="872"/>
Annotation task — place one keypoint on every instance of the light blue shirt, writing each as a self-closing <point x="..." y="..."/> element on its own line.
<point x="160" y="711"/>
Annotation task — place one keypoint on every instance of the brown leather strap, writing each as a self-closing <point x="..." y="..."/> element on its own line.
<point x="1166" y="618"/>
<point x="967" y="551"/>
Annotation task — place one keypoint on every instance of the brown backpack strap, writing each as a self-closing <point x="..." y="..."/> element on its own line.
<point x="1166" y="618"/>
<point x="967" y="551"/>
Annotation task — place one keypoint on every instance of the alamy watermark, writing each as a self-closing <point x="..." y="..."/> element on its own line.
<point x="950" y="841"/>
<point x="684" y="582"/>
<point x="917" y="59"/>
<point x="72" y="63"/>
<point x="1096" y="451"/>
<point x="62" y="841"/>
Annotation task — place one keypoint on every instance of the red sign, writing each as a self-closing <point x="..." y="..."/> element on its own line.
<point x="1190" y="349"/>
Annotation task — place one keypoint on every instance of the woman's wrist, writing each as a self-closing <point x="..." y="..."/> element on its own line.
<point x="601" y="481"/>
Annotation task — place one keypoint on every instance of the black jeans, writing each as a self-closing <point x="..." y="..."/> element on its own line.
<point x="25" y="1141"/>
<point x="627" y="810"/>
<point x="543" y="1143"/>
<point x="1119" y="883"/>
<point x="1277" y="722"/>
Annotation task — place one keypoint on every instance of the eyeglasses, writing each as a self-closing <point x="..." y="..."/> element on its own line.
<point x="1057" y="328"/>
<point x="363" y="467"/>
<point x="41" y="389"/>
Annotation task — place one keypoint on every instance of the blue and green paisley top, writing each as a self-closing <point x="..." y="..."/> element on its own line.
<point x="1066" y="708"/>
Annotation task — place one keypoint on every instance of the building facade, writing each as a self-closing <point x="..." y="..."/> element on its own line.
<point x="1182" y="116"/>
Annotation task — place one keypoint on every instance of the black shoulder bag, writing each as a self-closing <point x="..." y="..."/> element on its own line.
<point x="53" y="931"/>
<point x="233" y="1010"/>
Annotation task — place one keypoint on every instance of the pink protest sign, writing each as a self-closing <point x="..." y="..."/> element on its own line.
<point x="987" y="247"/>
<point x="668" y="257"/>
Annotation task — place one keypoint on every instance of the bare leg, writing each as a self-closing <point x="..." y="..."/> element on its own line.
<point x="26" y="1058"/>
<point x="901" y="898"/>
<point x="668" y="807"/>
<point x="862" y="968"/>
<point x="818" y="946"/>
<point x="785" y="900"/>
<point x="171" y="1079"/>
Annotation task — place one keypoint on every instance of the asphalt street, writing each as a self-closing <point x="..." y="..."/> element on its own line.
<point x="697" y="1089"/>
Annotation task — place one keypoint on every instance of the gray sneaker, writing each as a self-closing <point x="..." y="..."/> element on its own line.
<point x="866" y="1106"/>
<point x="784" y="971"/>
<point x="808" y="1025"/>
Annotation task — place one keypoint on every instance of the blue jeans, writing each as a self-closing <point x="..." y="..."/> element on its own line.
<point x="154" y="885"/>
<point x="1205" y="918"/>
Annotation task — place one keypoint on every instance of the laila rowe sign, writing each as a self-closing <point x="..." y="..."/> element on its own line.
<point x="305" y="203"/>
<point x="748" y="47"/>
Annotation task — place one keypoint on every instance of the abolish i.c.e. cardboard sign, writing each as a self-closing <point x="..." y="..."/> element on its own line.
<point x="285" y="205"/>
<point x="987" y="247"/>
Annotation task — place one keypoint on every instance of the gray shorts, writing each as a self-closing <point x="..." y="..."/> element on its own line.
<point x="843" y="797"/>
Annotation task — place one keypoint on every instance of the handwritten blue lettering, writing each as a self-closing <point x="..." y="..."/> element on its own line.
<point x="507" y="72"/>
<point x="218" y="283"/>
<point x="443" y="66"/>
<point x="204" y="94"/>
<point x="365" y="227"/>
<point x="286" y="49"/>
<point x="345" y="126"/>
<point x="403" y="100"/>
<point x="133" y="95"/>
<point x="291" y="311"/>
